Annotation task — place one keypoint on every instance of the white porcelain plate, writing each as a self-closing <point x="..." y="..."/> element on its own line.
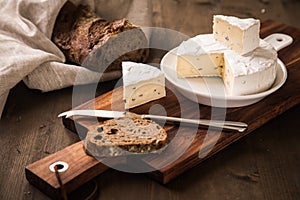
<point x="211" y="91"/>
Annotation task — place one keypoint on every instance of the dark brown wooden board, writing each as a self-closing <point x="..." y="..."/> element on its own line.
<point x="255" y="115"/>
<point x="82" y="168"/>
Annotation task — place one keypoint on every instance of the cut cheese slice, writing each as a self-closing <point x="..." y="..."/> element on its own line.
<point x="240" y="35"/>
<point x="195" y="66"/>
<point x="197" y="55"/>
<point x="241" y="74"/>
<point x="142" y="83"/>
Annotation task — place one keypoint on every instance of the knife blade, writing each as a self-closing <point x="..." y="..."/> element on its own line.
<point x="93" y="113"/>
<point x="227" y="125"/>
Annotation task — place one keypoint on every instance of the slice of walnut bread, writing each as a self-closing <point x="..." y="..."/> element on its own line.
<point x="123" y="136"/>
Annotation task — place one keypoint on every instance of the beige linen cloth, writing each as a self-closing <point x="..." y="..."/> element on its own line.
<point x="26" y="50"/>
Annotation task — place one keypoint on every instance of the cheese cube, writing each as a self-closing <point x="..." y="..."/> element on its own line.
<point x="142" y="83"/>
<point x="240" y="35"/>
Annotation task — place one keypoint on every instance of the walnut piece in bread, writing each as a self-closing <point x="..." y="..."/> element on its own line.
<point x="123" y="136"/>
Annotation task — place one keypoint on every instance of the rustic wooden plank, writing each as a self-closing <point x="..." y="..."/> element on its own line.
<point x="23" y="141"/>
<point x="191" y="159"/>
<point x="269" y="108"/>
<point x="82" y="168"/>
<point x="287" y="55"/>
<point x="277" y="145"/>
<point x="195" y="16"/>
<point x="26" y="138"/>
<point x="243" y="170"/>
<point x="257" y="114"/>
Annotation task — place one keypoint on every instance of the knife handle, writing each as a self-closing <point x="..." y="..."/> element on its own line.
<point x="227" y="125"/>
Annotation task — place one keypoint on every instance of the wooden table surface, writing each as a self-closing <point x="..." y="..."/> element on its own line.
<point x="262" y="165"/>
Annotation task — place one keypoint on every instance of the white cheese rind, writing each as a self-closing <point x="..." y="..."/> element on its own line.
<point x="200" y="44"/>
<point x="141" y="84"/>
<point x="263" y="57"/>
<point x="241" y="74"/>
<point x="243" y="24"/>
<point x="250" y="83"/>
<point x="240" y="35"/>
<point x="137" y="72"/>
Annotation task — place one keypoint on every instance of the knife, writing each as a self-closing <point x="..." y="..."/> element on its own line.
<point x="227" y="125"/>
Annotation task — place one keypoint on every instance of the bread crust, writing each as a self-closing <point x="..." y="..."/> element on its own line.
<point x="80" y="33"/>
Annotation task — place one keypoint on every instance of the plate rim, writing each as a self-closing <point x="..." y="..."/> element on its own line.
<point x="227" y="97"/>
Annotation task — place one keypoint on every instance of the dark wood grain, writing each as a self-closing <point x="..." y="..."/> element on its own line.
<point x="82" y="168"/>
<point x="262" y="165"/>
<point x="256" y="116"/>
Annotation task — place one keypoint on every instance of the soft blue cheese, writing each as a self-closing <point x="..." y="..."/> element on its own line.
<point x="240" y="35"/>
<point x="142" y="83"/>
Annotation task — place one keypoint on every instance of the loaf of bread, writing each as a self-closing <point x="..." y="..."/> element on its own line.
<point x="123" y="136"/>
<point x="95" y="43"/>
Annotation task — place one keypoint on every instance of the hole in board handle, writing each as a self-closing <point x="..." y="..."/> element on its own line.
<point x="279" y="39"/>
<point x="61" y="166"/>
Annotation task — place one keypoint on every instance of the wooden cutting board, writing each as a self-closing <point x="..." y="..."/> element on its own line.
<point x="83" y="168"/>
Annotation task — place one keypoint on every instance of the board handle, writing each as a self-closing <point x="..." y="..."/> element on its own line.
<point x="279" y="40"/>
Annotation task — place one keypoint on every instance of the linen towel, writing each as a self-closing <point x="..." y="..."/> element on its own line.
<point x="27" y="52"/>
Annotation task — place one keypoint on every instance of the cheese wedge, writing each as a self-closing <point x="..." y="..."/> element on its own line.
<point x="241" y="74"/>
<point x="240" y="35"/>
<point x="142" y="83"/>
<point x="200" y="56"/>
